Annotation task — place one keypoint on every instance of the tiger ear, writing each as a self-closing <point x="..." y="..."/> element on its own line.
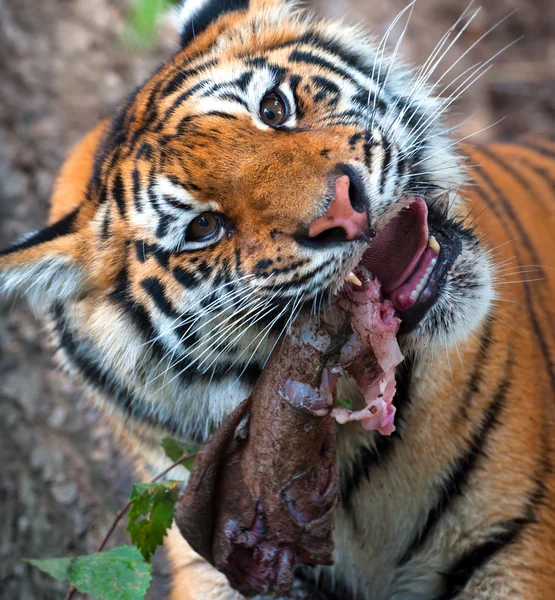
<point x="44" y="266"/>
<point x="196" y="15"/>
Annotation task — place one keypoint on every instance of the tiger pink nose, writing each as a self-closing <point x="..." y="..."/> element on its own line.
<point x="341" y="214"/>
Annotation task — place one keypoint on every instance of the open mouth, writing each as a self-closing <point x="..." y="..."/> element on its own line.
<point x="411" y="260"/>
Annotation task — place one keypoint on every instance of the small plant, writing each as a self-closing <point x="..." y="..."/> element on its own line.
<point x="144" y="17"/>
<point x="124" y="573"/>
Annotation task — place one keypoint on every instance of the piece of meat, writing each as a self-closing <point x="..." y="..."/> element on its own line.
<point x="264" y="487"/>
<point x="373" y="353"/>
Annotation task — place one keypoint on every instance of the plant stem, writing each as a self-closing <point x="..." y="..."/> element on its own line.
<point x="72" y="590"/>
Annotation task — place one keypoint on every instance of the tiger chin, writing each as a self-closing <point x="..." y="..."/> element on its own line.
<point x="245" y="182"/>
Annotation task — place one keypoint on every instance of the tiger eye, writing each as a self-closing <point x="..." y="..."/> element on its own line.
<point x="273" y="110"/>
<point x="203" y="226"/>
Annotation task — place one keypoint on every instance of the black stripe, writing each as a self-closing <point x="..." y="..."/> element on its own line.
<point x="146" y="151"/>
<point x="292" y="267"/>
<point x="323" y="586"/>
<point x="234" y="98"/>
<point x="326" y="88"/>
<point x="164" y="222"/>
<point x="542" y="150"/>
<point x="294" y="83"/>
<point x="222" y="115"/>
<point x="538" y="330"/>
<point x="366" y="99"/>
<point x="308" y="58"/>
<point x="244" y="80"/>
<point x="459" y="575"/>
<point x="162" y="257"/>
<point x="327" y="44"/>
<point x="137" y="190"/>
<point x="472" y="387"/>
<point x="506" y="533"/>
<point x="541" y="172"/>
<point x="60" y="228"/>
<point x="142" y="320"/>
<point x="242" y="83"/>
<point x="180" y="100"/>
<point x="118" y="193"/>
<point x="368" y="147"/>
<point x="83" y="360"/>
<point x="115" y="136"/>
<point x="223" y="275"/>
<point x="185" y="278"/>
<point x="463" y="466"/>
<point x="354" y="139"/>
<point x="106" y="223"/>
<point x="275" y="289"/>
<point x="142" y="251"/>
<point x="505" y="201"/>
<point x="515" y="174"/>
<point x="386" y="164"/>
<point x="153" y="287"/>
<point x="177" y="81"/>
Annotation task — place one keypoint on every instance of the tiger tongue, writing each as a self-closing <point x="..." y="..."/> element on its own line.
<point x="396" y="249"/>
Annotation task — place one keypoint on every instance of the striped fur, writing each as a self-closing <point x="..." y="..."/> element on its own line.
<point x="169" y="333"/>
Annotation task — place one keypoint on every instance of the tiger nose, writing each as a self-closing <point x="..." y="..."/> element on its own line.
<point x="341" y="221"/>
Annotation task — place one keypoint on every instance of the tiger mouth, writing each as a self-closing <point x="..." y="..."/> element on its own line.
<point x="411" y="259"/>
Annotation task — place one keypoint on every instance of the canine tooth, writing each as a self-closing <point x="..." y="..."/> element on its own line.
<point x="354" y="279"/>
<point x="414" y="295"/>
<point x="433" y="262"/>
<point x="434" y="244"/>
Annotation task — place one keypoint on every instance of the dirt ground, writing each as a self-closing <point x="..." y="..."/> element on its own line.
<point x="63" y="65"/>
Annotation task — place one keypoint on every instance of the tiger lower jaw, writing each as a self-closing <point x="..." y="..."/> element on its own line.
<point x="463" y="303"/>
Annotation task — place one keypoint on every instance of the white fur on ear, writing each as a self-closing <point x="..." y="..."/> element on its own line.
<point x="51" y="279"/>
<point x="196" y="15"/>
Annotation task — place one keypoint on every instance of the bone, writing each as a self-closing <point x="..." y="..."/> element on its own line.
<point x="262" y="494"/>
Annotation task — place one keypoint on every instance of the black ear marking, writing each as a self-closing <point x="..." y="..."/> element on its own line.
<point x="63" y="227"/>
<point x="197" y="16"/>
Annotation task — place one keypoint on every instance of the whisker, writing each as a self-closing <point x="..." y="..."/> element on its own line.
<point x="520" y="281"/>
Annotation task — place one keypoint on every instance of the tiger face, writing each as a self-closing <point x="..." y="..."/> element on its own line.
<point x="272" y="158"/>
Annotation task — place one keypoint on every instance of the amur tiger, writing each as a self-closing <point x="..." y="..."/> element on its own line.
<point x="178" y="251"/>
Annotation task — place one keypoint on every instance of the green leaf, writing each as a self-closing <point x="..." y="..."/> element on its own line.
<point x="176" y="449"/>
<point x="119" y="574"/>
<point x="143" y="20"/>
<point x="144" y="16"/>
<point x="345" y="403"/>
<point x="151" y="514"/>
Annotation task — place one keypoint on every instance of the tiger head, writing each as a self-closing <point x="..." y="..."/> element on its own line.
<point x="244" y="182"/>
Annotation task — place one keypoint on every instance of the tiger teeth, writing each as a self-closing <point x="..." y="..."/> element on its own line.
<point x="354" y="279"/>
<point x="434" y="244"/>
<point x="424" y="280"/>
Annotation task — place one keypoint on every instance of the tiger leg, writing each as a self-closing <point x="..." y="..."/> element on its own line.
<point x="193" y="577"/>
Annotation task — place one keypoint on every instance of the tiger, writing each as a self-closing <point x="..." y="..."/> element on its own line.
<point x="179" y="249"/>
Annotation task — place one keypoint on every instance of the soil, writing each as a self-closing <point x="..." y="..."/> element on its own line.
<point x="64" y="65"/>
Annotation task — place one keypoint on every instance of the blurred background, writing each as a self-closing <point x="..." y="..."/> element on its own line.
<point x="63" y="65"/>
